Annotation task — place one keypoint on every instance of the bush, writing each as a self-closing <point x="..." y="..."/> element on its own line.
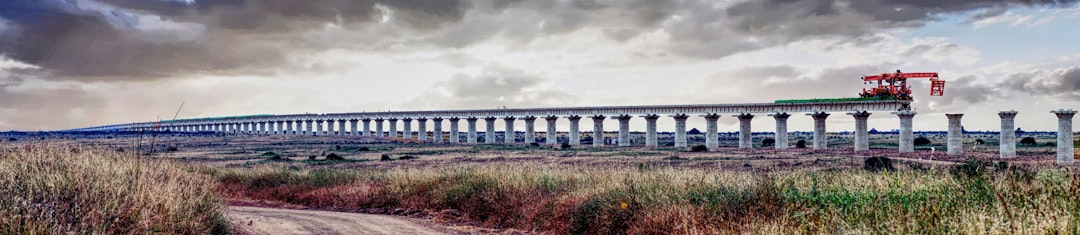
<point x="922" y="141"/>
<point x="565" y="146"/>
<point x="269" y="154"/>
<point x="363" y="149"/>
<point x="311" y="158"/>
<point x="876" y="164"/>
<point x="171" y="148"/>
<point x="980" y="141"/>
<point x="12" y="139"/>
<point x="699" y="148"/>
<point x="801" y="144"/>
<point x="334" y="157"/>
<point x="971" y="168"/>
<point x="1027" y="141"/>
<point x="534" y="145"/>
<point x="406" y="157"/>
<point x="385" y="157"/>
<point x="768" y="142"/>
<point x="337" y="147"/>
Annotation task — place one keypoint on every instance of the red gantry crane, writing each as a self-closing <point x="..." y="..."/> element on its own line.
<point x="894" y="85"/>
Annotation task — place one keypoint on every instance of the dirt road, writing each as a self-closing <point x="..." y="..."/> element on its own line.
<point x="257" y="220"/>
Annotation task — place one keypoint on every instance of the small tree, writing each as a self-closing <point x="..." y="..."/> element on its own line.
<point x="801" y="144"/>
<point x="922" y="141"/>
<point x="878" y="164"/>
<point x="980" y="141"/>
<point x="768" y="142"/>
<point x="1028" y="141"/>
<point x="699" y="148"/>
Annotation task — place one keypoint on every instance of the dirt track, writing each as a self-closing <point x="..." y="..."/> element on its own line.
<point x="257" y="220"/>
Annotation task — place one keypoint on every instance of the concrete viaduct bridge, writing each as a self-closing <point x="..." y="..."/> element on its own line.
<point x="313" y="124"/>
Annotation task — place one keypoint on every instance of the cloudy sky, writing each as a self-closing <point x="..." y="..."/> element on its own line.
<point x="77" y="63"/>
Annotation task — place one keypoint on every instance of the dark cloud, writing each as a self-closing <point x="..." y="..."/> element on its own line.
<point x="494" y="87"/>
<point x="45" y="109"/>
<point x="1063" y="83"/>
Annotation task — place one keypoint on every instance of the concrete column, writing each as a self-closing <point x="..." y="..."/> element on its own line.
<point x="711" y="131"/>
<point x="650" y="130"/>
<point x="379" y="128"/>
<point x="455" y="137"/>
<point x="407" y="126"/>
<point x="329" y="128"/>
<point x="367" y="127"/>
<point x="489" y="131"/>
<point x="575" y="130"/>
<point x="353" y="127"/>
<point x="341" y="127"/>
<point x="1007" y="136"/>
<point x="1065" y="150"/>
<point x="509" y="136"/>
<point x="437" y="133"/>
<point x="310" y="127"/>
<point x="746" y="140"/>
<point x="421" y="129"/>
<point x="530" y="129"/>
<point x="393" y="128"/>
<point x="470" y="136"/>
<point x="319" y="127"/>
<point x="680" y="130"/>
<point x="624" y="130"/>
<point x="289" y="127"/>
<point x="552" y="133"/>
<point x="955" y="141"/>
<point x="862" y="134"/>
<point x="281" y="127"/>
<point x="907" y="136"/>
<point x="821" y="138"/>
<point x="781" y="134"/>
<point x="598" y="130"/>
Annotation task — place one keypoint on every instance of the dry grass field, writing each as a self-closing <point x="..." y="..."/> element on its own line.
<point x="606" y="190"/>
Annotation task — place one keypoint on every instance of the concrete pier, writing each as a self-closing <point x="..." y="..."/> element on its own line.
<point x="288" y="127"/>
<point x="598" y="130"/>
<point x="907" y="135"/>
<point x="624" y="130"/>
<point x="781" y="134"/>
<point x="746" y="139"/>
<point x="367" y="127"/>
<point x="1007" y="138"/>
<point x="489" y="131"/>
<point x="1065" y="150"/>
<point x="575" y="131"/>
<point x="329" y="127"/>
<point x="421" y="129"/>
<point x="955" y="142"/>
<point x="280" y="127"/>
<point x="406" y="125"/>
<point x="393" y="128"/>
<point x="680" y="129"/>
<point x="455" y="136"/>
<point x="310" y="127"/>
<point x="319" y="127"/>
<point x="862" y="134"/>
<point x="712" y="133"/>
<point x="530" y="129"/>
<point x="551" y="137"/>
<point x="509" y="135"/>
<point x="353" y="128"/>
<point x="821" y="137"/>
<point x="341" y="127"/>
<point x="470" y="136"/>
<point x="437" y="133"/>
<point x="650" y="130"/>
<point x="379" y="128"/>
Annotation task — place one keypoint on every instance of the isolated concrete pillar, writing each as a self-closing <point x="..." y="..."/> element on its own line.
<point x="650" y="130"/>
<point x="406" y="125"/>
<point x="711" y="131"/>
<point x="367" y="127"/>
<point x="455" y="136"/>
<point x="907" y="136"/>
<point x="421" y="129"/>
<point x="489" y="133"/>
<point x="393" y="128"/>
<point x="821" y="138"/>
<point x="1065" y="149"/>
<point x="746" y="140"/>
<point x="552" y="137"/>
<point x="955" y="141"/>
<point x="437" y="133"/>
<point x="509" y="135"/>
<point x="319" y="127"/>
<point x="680" y="130"/>
<point x="530" y="129"/>
<point x="471" y="135"/>
<point x="341" y="127"/>
<point x="598" y="130"/>
<point x="624" y="130"/>
<point x="288" y="127"/>
<point x="1007" y="136"/>
<point x="353" y="128"/>
<point x="574" y="132"/>
<point x="379" y="128"/>
<point x="862" y="133"/>
<point x="781" y="134"/>
<point x="281" y="127"/>
<point x="329" y="128"/>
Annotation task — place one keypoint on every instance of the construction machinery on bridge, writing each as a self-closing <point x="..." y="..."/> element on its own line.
<point x="889" y="86"/>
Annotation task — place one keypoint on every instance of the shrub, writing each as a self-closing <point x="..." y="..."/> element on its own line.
<point x="699" y="148"/>
<point x="12" y="139"/>
<point x="1027" y="141"/>
<point x="922" y="141"/>
<point x="269" y="154"/>
<point x="534" y="145"/>
<point x="971" y="168"/>
<point x="171" y="148"/>
<point x="980" y="141"/>
<point x="337" y="147"/>
<point x="363" y="149"/>
<point x="565" y="146"/>
<point x="407" y="157"/>
<point x="312" y="157"/>
<point x="875" y="164"/>
<point x="801" y="144"/>
<point x="385" y="157"/>
<point x="334" y="157"/>
<point x="768" y="142"/>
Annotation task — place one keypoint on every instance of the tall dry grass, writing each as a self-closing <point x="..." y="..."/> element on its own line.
<point x="82" y="190"/>
<point x="588" y="200"/>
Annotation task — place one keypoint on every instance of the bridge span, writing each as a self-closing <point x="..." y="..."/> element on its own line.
<point x="324" y="124"/>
